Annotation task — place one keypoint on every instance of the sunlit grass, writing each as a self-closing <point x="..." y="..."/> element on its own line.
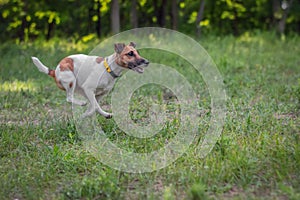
<point x="17" y="86"/>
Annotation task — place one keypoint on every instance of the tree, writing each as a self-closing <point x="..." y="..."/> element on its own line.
<point x="24" y="20"/>
<point x="160" y="9"/>
<point x="284" y="9"/>
<point x="98" y="24"/>
<point x="133" y="14"/>
<point x="234" y="11"/>
<point x="174" y="14"/>
<point x="200" y="17"/>
<point x="115" y="16"/>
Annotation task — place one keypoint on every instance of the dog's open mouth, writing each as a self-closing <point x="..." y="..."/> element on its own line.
<point x="138" y="69"/>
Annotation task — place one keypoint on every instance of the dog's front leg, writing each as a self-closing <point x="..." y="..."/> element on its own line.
<point x="94" y="106"/>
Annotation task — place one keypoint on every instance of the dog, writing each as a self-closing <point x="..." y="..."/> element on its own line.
<point x="93" y="76"/>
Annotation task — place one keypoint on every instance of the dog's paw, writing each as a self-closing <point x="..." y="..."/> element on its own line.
<point x="109" y="116"/>
<point x="80" y="103"/>
<point x="77" y="102"/>
<point x="83" y="103"/>
<point x="87" y="114"/>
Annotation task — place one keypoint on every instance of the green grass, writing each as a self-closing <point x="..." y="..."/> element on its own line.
<point x="257" y="156"/>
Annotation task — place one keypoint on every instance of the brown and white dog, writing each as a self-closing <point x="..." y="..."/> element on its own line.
<point x="93" y="76"/>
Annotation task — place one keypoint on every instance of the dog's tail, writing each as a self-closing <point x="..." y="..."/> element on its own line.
<point x="42" y="68"/>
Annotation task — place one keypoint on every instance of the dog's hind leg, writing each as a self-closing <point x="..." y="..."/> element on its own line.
<point x="68" y="81"/>
<point x="94" y="106"/>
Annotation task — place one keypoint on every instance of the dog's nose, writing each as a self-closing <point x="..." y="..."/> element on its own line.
<point x="142" y="62"/>
<point x="146" y="62"/>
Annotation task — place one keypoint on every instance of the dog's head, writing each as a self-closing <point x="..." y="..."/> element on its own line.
<point x="128" y="57"/>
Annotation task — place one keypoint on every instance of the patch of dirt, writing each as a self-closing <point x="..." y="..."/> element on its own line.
<point x="286" y="115"/>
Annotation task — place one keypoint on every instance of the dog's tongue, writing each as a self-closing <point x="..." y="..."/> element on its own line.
<point x="138" y="69"/>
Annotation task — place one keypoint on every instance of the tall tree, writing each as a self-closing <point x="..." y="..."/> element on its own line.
<point x="24" y="23"/>
<point x="160" y="9"/>
<point x="134" y="14"/>
<point x="115" y="16"/>
<point x="98" y="23"/>
<point x="174" y="14"/>
<point x="286" y="6"/>
<point x="199" y="18"/>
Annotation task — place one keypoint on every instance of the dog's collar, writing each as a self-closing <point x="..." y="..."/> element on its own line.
<point x="108" y="69"/>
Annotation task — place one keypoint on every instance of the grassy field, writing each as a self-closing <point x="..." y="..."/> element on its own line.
<point x="257" y="156"/>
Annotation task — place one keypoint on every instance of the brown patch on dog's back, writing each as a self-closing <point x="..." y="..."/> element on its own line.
<point x="99" y="59"/>
<point x="66" y="64"/>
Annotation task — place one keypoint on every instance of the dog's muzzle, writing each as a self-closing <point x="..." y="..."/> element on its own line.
<point x="138" y="65"/>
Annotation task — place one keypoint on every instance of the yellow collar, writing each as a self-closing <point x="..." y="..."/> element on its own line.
<point x="106" y="66"/>
<point x="108" y="69"/>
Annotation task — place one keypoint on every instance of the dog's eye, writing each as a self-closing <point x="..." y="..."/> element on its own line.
<point x="130" y="53"/>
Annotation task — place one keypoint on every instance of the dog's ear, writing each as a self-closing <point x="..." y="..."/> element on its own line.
<point x="133" y="44"/>
<point x="119" y="47"/>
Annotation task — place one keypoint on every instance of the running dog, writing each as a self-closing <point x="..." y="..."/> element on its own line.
<point x="93" y="76"/>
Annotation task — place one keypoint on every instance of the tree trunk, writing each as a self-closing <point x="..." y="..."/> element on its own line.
<point x="115" y="16"/>
<point x="160" y="12"/>
<point x="282" y="21"/>
<point x="50" y="30"/>
<point x="199" y="18"/>
<point x="133" y="15"/>
<point x="24" y="24"/>
<point x="235" y="23"/>
<point x="276" y="9"/>
<point x="98" y="24"/>
<point x="174" y="14"/>
<point x="90" y="19"/>
<point x="22" y="29"/>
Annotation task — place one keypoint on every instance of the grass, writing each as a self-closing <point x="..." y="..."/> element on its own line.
<point x="257" y="156"/>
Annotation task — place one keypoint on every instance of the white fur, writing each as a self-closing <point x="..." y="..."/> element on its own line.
<point x="40" y="66"/>
<point x="90" y="79"/>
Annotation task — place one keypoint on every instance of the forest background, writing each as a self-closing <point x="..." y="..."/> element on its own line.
<point x="24" y="20"/>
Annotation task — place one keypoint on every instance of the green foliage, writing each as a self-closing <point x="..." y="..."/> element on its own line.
<point x="197" y="192"/>
<point x="26" y="20"/>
